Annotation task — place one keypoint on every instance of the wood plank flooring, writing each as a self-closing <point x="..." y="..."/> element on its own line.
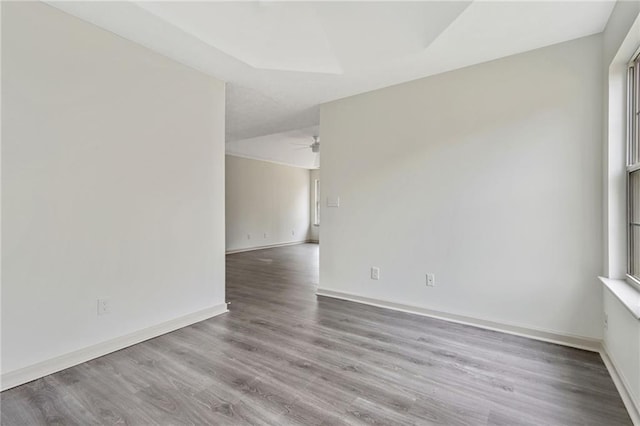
<point x="283" y="356"/>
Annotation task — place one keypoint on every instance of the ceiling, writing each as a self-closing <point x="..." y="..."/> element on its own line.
<point x="290" y="148"/>
<point x="281" y="60"/>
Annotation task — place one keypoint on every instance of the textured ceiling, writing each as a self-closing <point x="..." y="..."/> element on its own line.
<point x="292" y="148"/>
<point x="282" y="59"/>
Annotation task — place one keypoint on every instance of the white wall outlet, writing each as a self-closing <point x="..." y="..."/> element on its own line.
<point x="265" y="235"/>
<point x="104" y="306"/>
<point x="293" y="232"/>
<point x="606" y="321"/>
<point x="248" y="236"/>
<point x="375" y="273"/>
<point x="431" y="280"/>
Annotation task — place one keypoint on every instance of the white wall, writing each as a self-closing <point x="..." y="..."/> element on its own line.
<point x="622" y="336"/>
<point x="622" y="343"/>
<point x="265" y="198"/>
<point x="489" y="177"/>
<point x="314" y="233"/>
<point x="112" y="186"/>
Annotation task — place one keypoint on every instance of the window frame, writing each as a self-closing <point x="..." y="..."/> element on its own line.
<point x="633" y="160"/>
<point x="316" y="202"/>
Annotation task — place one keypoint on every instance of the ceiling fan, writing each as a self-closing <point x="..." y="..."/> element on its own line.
<point x="315" y="148"/>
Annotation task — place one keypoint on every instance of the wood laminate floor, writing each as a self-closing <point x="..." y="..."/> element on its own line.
<point x="284" y="356"/>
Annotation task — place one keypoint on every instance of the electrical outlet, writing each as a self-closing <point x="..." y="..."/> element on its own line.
<point x="293" y="232"/>
<point x="375" y="273"/>
<point x="248" y="236"/>
<point x="606" y="321"/>
<point x="104" y="306"/>
<point x="265" y="235"/>
<point x="431" y="280"/>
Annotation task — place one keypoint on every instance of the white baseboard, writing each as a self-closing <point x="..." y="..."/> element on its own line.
<point x="44" y="368"/>
<point x="631" y="402"/>
<point x="579" y="342"/>
<point x="242" y="250"/>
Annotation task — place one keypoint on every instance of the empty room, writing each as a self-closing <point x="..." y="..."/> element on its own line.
<point x="320" y="213"/>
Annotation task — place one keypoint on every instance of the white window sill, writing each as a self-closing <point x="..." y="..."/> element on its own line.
<point x="629" y="296"/>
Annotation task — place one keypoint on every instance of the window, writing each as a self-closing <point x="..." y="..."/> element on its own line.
<point x="316" y="202"/>
<point x="633" y="170"/>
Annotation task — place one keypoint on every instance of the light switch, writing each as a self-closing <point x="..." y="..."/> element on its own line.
<point x="333" y="201"/>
